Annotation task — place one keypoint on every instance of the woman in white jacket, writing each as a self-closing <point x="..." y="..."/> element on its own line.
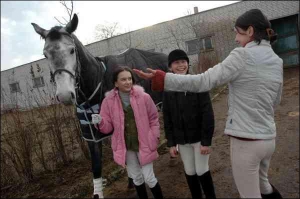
<point x="254" y="74"/>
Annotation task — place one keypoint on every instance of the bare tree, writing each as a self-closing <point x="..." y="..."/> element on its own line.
<point x="69" y="11"/>
<point x="108" y="30"/>
<point x="193" y="25"/>
<point x="128" y="42"/>
<point x="171" y="30"/>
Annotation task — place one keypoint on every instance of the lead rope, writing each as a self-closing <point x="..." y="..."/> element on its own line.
<point x="93" y="109"/>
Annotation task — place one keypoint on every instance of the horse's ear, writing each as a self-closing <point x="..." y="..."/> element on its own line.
<point x="39" y="30"/>
<point x="72" y="25"/>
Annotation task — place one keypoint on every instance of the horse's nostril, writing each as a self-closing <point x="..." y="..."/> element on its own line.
<point x="72" y="95"/>
<point x="57" y="98"/>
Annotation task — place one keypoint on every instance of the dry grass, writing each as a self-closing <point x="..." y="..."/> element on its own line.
<point x="33" y="137"/>
<point x="38" y="140"/>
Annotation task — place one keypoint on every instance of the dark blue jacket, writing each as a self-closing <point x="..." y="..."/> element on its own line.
<point x="188" y="118"/>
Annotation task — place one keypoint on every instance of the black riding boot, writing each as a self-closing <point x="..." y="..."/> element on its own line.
<point x="141" y="191"/>
<point x="96" y="196"/>
<point x="274" y="195"/>
<point x="194" y="186"/>
<point x="207" y="185"/>
<point x="156" y="191"/>
<point x="130" y="183"/>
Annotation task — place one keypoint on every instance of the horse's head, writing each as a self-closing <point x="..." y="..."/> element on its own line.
<point x="61" y="53"/>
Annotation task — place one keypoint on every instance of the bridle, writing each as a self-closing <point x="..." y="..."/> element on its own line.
<point x="77" y="77"/>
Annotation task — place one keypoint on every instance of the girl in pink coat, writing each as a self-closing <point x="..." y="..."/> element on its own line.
<point x="131" y="115"/>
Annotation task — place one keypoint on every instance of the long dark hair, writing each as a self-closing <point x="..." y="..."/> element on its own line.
<point x="120" y="69"/>
<point x="260" y="24"/>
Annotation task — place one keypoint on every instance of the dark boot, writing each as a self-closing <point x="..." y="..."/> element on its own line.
<point x="194" y="186"/>
<point x="130" y="183"/>
<point x="96" y="196"/>
<point x="207" y="185"/>
<point x="274" y="195"/>
<point x="156" y="191"/>
<point x="141" y="191"/>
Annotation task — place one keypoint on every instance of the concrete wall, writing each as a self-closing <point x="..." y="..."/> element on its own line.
<point x="29" y="95"/>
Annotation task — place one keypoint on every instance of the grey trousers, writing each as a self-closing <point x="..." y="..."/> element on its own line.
<point x="250" y="162"/>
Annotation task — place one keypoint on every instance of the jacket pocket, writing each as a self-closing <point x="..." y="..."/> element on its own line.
<point x="152" y="141"/>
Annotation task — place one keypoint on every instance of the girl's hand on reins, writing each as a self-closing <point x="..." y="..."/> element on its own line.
<point x="96" y="118"/>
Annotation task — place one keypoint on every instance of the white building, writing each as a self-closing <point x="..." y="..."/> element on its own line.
<point x="209" y="32"/>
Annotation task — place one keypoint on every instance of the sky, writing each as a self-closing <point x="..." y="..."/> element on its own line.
<point x="20" y="44"/>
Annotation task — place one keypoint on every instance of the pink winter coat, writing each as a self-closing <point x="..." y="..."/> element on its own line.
<point x="147" y="123"/>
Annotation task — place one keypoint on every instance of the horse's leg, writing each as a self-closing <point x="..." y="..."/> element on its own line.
<point x="96" y="157"/>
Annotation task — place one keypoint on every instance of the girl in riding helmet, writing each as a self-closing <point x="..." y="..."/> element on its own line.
<point x="189" y="123"/>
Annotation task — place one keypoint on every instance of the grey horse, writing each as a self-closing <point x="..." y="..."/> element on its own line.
<point x="83" y="79"/>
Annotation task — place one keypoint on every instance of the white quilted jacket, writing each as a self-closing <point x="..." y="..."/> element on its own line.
<point x="254" y="75"/>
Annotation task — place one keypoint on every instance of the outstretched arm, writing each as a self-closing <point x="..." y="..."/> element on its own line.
<point x="220" y="74"/>
<point x="144" y="75"/>
<point x="157" y="77"/>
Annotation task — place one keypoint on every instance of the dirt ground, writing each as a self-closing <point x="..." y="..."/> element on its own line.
<point x="75" y="181"/>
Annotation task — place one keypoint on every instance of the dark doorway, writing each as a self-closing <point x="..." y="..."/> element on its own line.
<point x="287" y="44"/>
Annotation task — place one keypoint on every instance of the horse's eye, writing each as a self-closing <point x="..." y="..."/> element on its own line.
<point x="72" y="51"/>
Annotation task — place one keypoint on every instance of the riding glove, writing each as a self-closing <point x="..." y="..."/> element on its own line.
<point x="96" y="118"/>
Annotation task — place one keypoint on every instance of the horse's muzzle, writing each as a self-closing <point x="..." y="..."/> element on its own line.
<point x="67" y="98"/>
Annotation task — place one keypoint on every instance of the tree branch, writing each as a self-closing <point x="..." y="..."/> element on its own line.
<point x="69" y="12"/>
<point x="60" y="22"/>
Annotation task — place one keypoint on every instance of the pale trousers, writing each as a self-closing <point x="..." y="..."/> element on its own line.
<point x="138" y="173"/>
<point x="193" y="161"/>
<point x="250" y="162"/>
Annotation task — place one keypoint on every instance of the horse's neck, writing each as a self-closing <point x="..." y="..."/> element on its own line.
<point x="91" y="71"/>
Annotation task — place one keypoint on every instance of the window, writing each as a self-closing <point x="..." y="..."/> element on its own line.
<point x="194" y="46"/>
<point x="38" y="82"/>
<point x="207" y="43"/>
<point x="14" y="87"/>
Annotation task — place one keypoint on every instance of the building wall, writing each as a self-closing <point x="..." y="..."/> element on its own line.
<point x="163" y="37"/>
<point x="29" y="95"/>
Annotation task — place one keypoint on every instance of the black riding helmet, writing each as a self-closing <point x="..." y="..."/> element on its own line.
<point x="177" y="55"/>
